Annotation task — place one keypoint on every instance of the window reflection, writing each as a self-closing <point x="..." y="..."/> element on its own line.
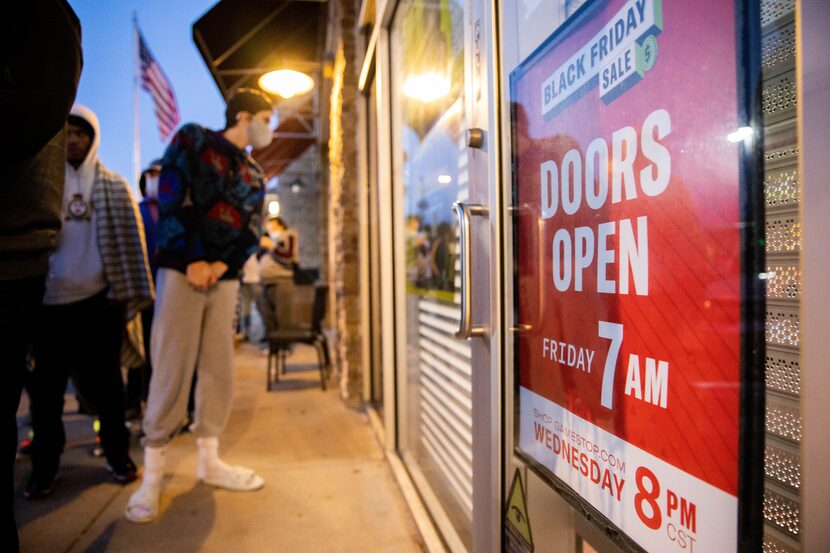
<point x="432" y="112"/>
<point x="431" y="169"/>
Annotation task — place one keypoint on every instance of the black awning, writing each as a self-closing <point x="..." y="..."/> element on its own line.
<point x="240" y="40"/>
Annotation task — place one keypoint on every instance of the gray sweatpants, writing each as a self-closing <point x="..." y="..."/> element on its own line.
<point x="190" y="327"/>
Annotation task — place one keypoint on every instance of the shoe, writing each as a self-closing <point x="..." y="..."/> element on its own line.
<point x="25" y="447"/>
<point x="38" y="486"/>
<point x="123" y="472"/>
<point x="213" y="471"/>
<point x="132" y="413"/>
<point x="97" y="450"/>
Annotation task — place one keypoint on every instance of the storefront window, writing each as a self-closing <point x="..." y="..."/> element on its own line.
<point x="430" y="174"/>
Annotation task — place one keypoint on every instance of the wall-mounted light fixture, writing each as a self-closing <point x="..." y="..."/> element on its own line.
<point x="297" y="186"/>
<point x="286" y="82"/>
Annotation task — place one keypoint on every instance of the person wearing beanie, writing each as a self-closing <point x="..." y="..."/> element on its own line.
<point x="209" y="202"/>
<point x="98" y="282"/>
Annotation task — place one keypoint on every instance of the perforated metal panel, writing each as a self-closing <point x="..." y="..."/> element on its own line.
<point x="781" y="512"/>
<point x="774" y="545"/>
<point x="779" y="97"/>
<point x="773" y="11"/>
<point x="783" y="421"/>
<point x="784" y="280"/>
<point x="783" y="372"/>
<point x="781" y="188"/>
<point x="782" y="466"/>
<point x="781" y="156"/>
<point x="778" y="49"/>
<point x="783" y="327"/>
<point x="783" y="234"/>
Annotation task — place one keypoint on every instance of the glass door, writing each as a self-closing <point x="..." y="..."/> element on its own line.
<point x="435" y="396"/>
<point x="555" y="525"/>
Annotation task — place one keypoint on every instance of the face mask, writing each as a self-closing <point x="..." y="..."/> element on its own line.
<point x="152" y="186"/>
<point x="259" y="135"/>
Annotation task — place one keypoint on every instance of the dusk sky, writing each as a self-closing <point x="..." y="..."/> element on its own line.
<point x="107" y="79"/>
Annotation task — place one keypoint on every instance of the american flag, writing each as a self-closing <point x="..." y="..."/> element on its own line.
<point x="155" y="82"/>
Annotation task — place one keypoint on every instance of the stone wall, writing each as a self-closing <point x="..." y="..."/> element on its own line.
<point x="343" y="201"/>
<point x="301" y="210"/>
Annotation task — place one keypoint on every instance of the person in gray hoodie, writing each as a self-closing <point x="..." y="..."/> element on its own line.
<point x="98" y="280"/>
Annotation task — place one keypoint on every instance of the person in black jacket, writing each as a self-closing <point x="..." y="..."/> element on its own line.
<point x="40" y="64"/>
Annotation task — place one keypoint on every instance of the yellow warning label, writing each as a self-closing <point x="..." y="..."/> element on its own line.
<point x="516" y="515"/>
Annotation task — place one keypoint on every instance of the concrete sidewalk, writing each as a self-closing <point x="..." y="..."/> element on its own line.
<point x="328" y="487"/>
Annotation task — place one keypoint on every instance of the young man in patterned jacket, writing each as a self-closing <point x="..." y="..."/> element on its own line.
<point x="209" y="201"/>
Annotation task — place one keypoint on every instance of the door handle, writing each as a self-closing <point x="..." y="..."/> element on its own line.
<point x="464" y="213"/>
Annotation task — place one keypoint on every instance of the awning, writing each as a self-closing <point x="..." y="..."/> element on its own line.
<point x="242" y="39"/>
<point x="239" y="40"/>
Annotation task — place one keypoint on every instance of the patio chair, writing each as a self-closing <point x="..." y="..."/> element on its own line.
<point x="281" y="340"/>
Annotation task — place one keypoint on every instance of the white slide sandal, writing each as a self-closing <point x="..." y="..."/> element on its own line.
<point x="143" y="505"/>
<point x="238" y="479"/>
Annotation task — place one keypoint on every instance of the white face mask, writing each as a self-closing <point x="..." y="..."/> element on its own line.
<point x="152" y="186"/>
<point x="259" y="135"/>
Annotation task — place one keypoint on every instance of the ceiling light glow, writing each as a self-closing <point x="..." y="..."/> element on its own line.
<point x="286" y="82"/>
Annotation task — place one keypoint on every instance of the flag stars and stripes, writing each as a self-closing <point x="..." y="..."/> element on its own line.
<point x="154" y="81"/>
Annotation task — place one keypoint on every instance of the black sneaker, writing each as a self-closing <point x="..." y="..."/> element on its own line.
<point x="123" y="472"/>
<point x="39" y="486"/>
<point x="132" y="413"/>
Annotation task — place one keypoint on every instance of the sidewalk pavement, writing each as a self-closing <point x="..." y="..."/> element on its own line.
<point x="328" y="488"/>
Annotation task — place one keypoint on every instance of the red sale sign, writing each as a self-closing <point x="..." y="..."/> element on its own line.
<point x="628" y="247"/>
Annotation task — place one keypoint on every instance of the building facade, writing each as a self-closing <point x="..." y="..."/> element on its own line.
<point x="577" y="270"/>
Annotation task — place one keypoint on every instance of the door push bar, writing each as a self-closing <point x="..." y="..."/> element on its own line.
<point x="464" y="213"/>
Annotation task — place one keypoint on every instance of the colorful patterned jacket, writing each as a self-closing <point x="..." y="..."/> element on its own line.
<point x="210" y="202"/>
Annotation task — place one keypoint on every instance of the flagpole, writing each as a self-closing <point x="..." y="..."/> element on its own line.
<point x="136" y="137"/>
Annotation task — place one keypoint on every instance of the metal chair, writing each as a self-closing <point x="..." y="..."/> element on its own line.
<point x="281" y="340"/>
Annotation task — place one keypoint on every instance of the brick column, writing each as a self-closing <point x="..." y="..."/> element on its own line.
<point x="343" y="213"/>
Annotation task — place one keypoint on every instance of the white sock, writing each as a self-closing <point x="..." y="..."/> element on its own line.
<point x="212" y="470"/>
<point x="209" y="461"/>
<point x="143" y="504"/>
